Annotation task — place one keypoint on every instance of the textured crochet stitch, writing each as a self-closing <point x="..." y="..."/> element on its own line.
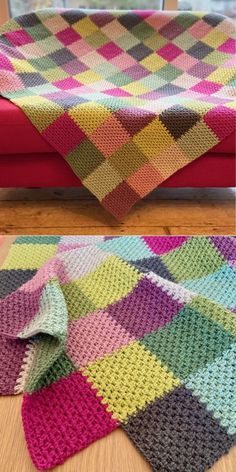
<point x="137" y="332"/>
<point x="126" y="97"/>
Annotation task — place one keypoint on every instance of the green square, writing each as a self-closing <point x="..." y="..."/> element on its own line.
<point x="184" y="41"/>
<point x="153" y="82"/>
<point x="38" y="31"/>
<point x="120" y="79"/>
<point x="216" y="58"/>
<point x="106" y="69"/>
<point x="142" y="31"/>
<point x="77" y="303"/>
<point x="37" y="240"/>
<point x="194" y="259"/>
<point x="62" y="367"/>
<point x="127" y="41"/>
<point x="169" y="72"/>
<point x="96" y="39"/>
<point x="128" y="159"/>
<point x="188" y="343"/>
<point x="155" y="42"/>
<point x="84" y="159"/>
<point x="186" y="19"/>
<point x="42" y="63"/>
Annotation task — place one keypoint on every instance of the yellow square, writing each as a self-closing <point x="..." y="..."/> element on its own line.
<point x="222" y="76"/>
<point x="89" y="116"/>
<point x="153" y="62"/>
<point x="21" y="65"/>
<point x="112" y="280"/>
<point x="129" y="379"/>
<point x="88" y="77"/>
<point x="41" y="112"/>
<point x="135" y="88"/>
<point x="28" y="256"/>
<point x="215" y="38"/>
<point x="153" y="139"/>
<point x="85" y="27"/>
<point x="54" y="74"/>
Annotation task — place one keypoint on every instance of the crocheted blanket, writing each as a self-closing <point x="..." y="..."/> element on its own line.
<point x="137" y="332"/>
<point x="126" y="97"/>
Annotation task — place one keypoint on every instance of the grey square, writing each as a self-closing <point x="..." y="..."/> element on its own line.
<point x="129" y="20"/>
<point x="62" y="56"/>
<point x="32" y="79"/>
<point x="199" y="50"/>
<point x="139" y="52"/>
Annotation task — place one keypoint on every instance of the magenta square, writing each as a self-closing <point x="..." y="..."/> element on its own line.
<point x="63" y="418"/>
<point x="68" y="36"/>
<point x="146" y="309"/>
<point x="63" y="134"/>
<point x="162" y="244"/>
<point x="93" y="337"/>
<point x="206" y="87"/>
<point x="169" y="52"/>
<point x="19" y="37"/>
<point x="229" y="47"/>
<point x="67" y="83"/>
<point x="110" y="50"/>
<point x="221" y="120"/>
<point x="5" y="64"/>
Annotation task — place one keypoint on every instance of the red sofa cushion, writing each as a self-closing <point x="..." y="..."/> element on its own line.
<point x="19" y="136"/>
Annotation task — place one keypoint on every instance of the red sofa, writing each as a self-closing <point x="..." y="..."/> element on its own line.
<point x="27" y="160"/>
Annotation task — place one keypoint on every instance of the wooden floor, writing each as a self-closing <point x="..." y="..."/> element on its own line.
<point x="74" y="211"/>
<point x="114" y="453"/>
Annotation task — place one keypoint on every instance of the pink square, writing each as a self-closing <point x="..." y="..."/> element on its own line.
<point x="93" y="337"/>
<point x="68" y="36"/>
<point x="63" y="134"/>
<point x="169" y="52"/>
<point x="206" y="87"/>
<point x="158" y="20"/>
<point x="117" y="92"/>
<point x="110" y="50"/>
<point x="162" y="244"/>
<point x="19" y="37"/>
<point x="64" y="418"/>
<point x="123" y="61"/>
<point x="110" y="136"/>
<point x="68" y="83"/>
<point x="199" y="29"/>
<point x="184" y="61"/>
<point x="80" y="48"/>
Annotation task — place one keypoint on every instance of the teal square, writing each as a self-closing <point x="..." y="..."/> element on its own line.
<point x="188" y="343"/>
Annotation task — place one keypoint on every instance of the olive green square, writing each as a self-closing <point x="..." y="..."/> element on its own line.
<point x="184" y="41"/>
<point x="186" y="19"/>
<point x="96" y="39"/>
<point x="155" y="42"/>
<point x="42" y="63"/>
<point x="194" y="259"/>
<point x="128" y="159"/>
<point x="127" y="41"/>
<point x="142" y="31"/>
<point x="188" y="343"/>
<point x="38" y="32"/>
<point x="84" y="159"/>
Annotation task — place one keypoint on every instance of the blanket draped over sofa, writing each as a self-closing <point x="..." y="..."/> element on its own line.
<point x="126" y="97"/>
<point x="137" y="332"/>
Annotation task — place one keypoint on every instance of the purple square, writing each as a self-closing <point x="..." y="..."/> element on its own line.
<point x="201" y="70"/>
<point x="74" y="67"/>
<point x="68" y="36"/>
<point x="171" y="30"/>
<point x="19" y="37"/>
<point x="110" y="50"/>
<point x="137" y="72"/>
<point x="169" y="52"/>
<point x="146" y="309"/>
<point x="63" y="134"/>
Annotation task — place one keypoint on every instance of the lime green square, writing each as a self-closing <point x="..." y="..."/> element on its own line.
<point x="76" y="301"/>
<point x="194" y="259"/>
<point x="42" y="63"/>
<point x="188" y="343"/>
<point x="129" y="379"/>
<point x="155" y="42"/>
<point x="216" y="58"/>
<point x="28" y="256"/>
<point x="112" y="280"/>
<point x="184" y="41"/>
<point x="127" y="41"/>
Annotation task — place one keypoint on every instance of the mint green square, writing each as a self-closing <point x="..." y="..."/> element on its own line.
<point x="194" y="259"/>
<point x="169" y="72"/>
<point x="106" y="69"/>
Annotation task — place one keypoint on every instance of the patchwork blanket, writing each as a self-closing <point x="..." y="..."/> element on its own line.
<point x="126" y="97"/>
<point x="137" y="332"/>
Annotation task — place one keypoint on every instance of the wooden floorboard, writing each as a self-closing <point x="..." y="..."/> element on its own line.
<point x="48" y="211"/>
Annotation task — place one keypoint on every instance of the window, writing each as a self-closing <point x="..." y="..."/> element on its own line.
<point x="225" y="7"/>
